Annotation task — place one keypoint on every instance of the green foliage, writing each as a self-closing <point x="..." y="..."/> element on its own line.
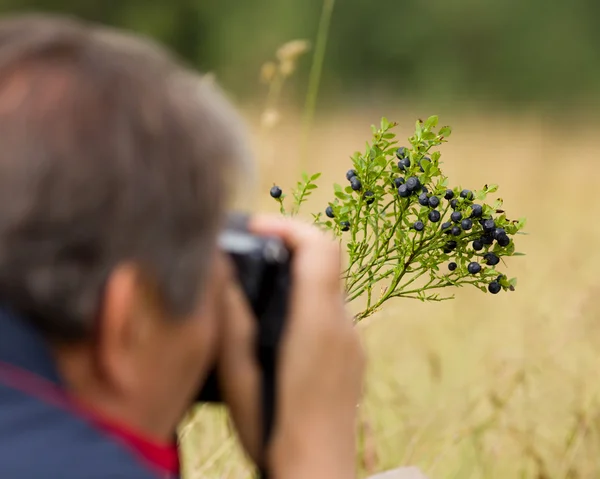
<point x="533" y="51"/>
<point x="388" y="257"/>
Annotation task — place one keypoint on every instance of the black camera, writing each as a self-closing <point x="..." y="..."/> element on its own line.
<point x="263" y="270"/>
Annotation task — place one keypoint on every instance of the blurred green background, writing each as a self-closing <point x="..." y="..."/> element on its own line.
<point x="513" y="53"/>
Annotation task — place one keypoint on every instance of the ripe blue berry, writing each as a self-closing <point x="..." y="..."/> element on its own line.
<point x="404" y="163"/>
<point x="434" y="201"/>
<point x="369" y="197"/>
<point x="403" y="191"/>
<point x="452" y="266"/>
<point x="476" y="211"/>
<point x="446" y="226"/>
<point x="456" y="231"/>
<point x="454" y="203"/>
<point x="350" y="174"/>
<point x="477" y="245"/>
<point x="487" y="239"/>
<point x="449" y="194"/>
<point x="329" y="212"/>
<point x="494" y="287"/>
<point x="276" y="192"/>
<point x="498" y="232"/>
<point x="401" y="152"/>
<point x="423" y="199"/>
<point x="503" y="240"/>
<point x="456" y="216"/>
<point x="491" y="259"/>
<point x="466" y="224"/>
<point x="345" y="225"/>
<point x="434" y="216"/>
<point x="398" y="181"/>
<point x="450" y="246"/>
<point x="489" y="225"/>
<point x="419" y="226"/>
<point x="355" y="183"/>
<point x="474" y="268"/>
<point x="413" y="184"/>
<point x="467" y="194"/>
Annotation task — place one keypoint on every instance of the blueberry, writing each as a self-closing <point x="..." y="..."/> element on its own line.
<point x="401" y="152"/>
<point x="487" y="239"/>
<point x="398" y="181"/>
<point x="476" y="211"/>
<point x="449" y="194"/>
<point x="474" y="268"/>
<point x="403" y="191"/>
<point x="446" y="226"/>
<point x="491" y="259"/>
<point x="477" y="245"/>
<point x="434" y="216"/>
<point x="489" y="225"/>
<point x="499" y="232"/>
<point x="434" y="201"/>
<point x="456" y="231"/>
<point x="494" y="287"/>
<point x="355" y="183"/>
<point x="413" y="184"/>
<point x="350" y="174"/>
<point x="276" y="192"/>
<point x="329" y="212"/>
<point x="404" y="163"/>
<point x="370" y="197"/>
<point x="467" y="194"/>
<point x="454" y="203"/>
<point x="452" y="266"/>
<point x="503" y="240"/>
<point x="419" y="226"/>
<point x="456" y="216"/>
<point x="466" y="224"/>
<point x="450" y="245"/>
<point x="423" y="199"/>
<point x="345" y="225"/>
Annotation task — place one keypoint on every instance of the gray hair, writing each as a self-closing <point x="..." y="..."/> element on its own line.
<point x="111" y="151"/>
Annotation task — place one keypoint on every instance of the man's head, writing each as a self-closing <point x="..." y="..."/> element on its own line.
<point x="113" y="161"/>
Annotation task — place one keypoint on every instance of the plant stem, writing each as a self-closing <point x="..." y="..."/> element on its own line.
<point x="315" y="77"/>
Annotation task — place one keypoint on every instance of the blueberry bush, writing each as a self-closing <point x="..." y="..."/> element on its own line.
<point x="407" y="231"/>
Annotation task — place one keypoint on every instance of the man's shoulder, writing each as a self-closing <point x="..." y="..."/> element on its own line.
<point x="39" y="440"/>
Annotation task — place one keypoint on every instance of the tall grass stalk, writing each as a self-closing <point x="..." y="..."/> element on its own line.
<point x="314" y="79"/>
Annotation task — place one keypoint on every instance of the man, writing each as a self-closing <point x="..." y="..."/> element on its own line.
<point x="115" y="168"/>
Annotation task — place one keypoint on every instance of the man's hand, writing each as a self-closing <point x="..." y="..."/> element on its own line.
<point x="320" y="370"/>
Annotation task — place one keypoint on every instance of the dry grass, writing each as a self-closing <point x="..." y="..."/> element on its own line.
<point x="480" y="387"/>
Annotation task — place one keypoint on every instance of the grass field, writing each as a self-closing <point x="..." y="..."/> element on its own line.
<point x="479" y="387"/>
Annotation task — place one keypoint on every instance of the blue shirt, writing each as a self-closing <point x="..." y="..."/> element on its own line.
<point x="45" y="434"/>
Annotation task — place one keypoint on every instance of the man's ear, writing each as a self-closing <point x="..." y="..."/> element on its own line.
<point x="130" y="302"/>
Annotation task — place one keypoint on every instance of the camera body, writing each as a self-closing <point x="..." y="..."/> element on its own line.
<point x="263" y="270"/>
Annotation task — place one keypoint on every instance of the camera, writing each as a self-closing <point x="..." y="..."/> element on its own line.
<point x="262" y="266"/>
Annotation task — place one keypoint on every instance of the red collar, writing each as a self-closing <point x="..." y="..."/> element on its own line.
<point x="162" y="457"/>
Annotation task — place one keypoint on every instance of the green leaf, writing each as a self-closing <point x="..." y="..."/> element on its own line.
<point x="315" y="177"/>
<point x="311" y="186"/>
<point x="340" y="195"/>
<point x="445" y="131"/>
<point x="304" y="177"/>
<point x="431" y="122"/>
<point x="492" y="188"/>
<point x="337" y="188"/>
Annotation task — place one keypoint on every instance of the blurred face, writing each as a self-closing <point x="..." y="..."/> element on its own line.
<point x="144" y="366"/>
